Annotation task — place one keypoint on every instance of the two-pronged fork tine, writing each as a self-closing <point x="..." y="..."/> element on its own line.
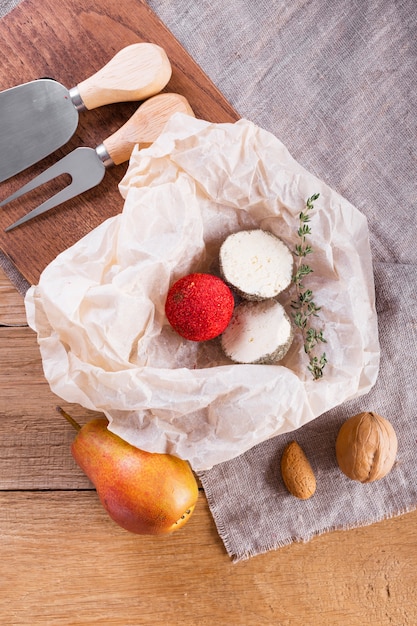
<point x="87" y="166"/>
<point x="75" y="165"/>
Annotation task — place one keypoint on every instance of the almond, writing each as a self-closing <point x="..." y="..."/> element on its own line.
<point x="297" y="473"/>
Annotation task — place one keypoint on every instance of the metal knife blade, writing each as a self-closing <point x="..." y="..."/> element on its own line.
<point x="36" y="119"/>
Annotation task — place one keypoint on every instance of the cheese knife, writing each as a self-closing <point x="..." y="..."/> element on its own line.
<point x="38" y="117"/>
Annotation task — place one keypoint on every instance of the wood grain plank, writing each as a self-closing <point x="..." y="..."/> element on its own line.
<point x="34" y="439"/>
<point x="76" y="567"/>
<point x="69" y="45"/>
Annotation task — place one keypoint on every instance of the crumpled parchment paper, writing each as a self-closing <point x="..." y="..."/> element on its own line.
<point x="98" y="309"/>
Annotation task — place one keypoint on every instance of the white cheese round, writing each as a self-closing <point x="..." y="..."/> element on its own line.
<point x="256" y="263"/>
<point x="259" y="332"/>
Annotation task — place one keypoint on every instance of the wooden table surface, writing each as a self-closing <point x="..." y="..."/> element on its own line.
<point x="63" y="561"/>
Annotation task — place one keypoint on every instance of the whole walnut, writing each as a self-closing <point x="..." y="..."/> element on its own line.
<point x="366" y="447"/>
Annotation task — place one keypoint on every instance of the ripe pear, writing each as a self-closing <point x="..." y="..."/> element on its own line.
<point x="143" y="492"/>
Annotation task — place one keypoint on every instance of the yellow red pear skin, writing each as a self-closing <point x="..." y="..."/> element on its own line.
<point x="143" y="492"/>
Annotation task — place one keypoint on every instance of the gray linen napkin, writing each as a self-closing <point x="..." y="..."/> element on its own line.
<point x="7" y="5"/>
<point x="336" y="82"/>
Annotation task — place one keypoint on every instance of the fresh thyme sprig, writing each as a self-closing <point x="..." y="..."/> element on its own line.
<point x="304" y="305"/>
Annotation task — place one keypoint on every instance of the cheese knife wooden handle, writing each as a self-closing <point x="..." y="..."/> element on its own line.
<point x="136" y="72"/>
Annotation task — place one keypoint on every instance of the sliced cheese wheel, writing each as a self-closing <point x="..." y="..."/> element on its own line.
<point x="256" y="263"/>
<point x="259" y="332"/>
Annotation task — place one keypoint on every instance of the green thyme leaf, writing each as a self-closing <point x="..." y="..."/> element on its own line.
<point x="304" y="304"/>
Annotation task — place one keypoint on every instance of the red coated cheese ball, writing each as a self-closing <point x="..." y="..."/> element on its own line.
<point x="199" y="306"/>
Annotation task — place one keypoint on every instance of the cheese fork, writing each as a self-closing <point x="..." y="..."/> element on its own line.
<point x="87" y="166"/>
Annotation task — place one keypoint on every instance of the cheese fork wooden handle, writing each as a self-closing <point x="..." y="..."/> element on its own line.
<point x="136" y="72"/>
<point x="145" y="125"/>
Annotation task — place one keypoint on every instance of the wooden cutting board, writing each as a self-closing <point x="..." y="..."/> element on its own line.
<point x="69" y="41"/>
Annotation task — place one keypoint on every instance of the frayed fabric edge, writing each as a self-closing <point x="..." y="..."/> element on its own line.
<point x="19" y="282"/>
<point x="244" y="556"/>
<point x="276" y="545"/>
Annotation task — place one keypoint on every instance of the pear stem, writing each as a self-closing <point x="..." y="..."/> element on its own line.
<point x="68" y="417"/>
